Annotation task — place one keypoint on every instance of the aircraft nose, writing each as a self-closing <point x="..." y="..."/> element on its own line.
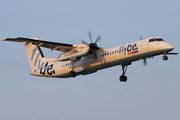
<point x="169" y="47"/>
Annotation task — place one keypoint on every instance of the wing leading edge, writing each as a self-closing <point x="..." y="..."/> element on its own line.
<point x="51" y="45"/>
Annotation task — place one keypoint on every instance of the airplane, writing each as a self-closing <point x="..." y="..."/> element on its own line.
<point x="87" y="58"/>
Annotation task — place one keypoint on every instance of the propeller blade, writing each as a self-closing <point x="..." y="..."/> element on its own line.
<point x="98" y="38"/>
<point x="84" y="42"/>
<point x="141" y="38"/>
<point x="90" y="37"/>
<point x="145" y="61"/>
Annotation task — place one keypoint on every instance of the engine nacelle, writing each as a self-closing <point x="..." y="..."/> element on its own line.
<point x="75" y="54"/>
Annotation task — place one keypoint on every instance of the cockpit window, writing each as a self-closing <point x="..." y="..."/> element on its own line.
<point x="152" y="40"/>
<point x="157" y="39"/>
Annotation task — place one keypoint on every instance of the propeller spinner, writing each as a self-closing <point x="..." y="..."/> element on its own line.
<point x="92" y="46"/>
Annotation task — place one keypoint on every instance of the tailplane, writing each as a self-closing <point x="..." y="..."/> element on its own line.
<point x="34" y="53"/>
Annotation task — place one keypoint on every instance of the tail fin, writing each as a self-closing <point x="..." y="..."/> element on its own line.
<point x="35" y="56"/>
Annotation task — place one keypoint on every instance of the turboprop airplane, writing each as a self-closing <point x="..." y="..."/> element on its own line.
<point x="87" y="58"/>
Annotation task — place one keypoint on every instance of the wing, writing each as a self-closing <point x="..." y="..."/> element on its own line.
<point x="51" y="45"/>
<point x="172" y="53"/>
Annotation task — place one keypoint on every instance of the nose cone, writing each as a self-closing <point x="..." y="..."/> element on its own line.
<point x="168" y="47"/>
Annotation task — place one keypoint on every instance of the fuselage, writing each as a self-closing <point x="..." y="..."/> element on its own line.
<point x="120" y="55"/>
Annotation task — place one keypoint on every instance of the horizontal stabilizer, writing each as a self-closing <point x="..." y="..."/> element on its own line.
<point x="51" y="45"/>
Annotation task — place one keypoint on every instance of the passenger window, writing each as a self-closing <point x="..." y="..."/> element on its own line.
<point x="112" y="52"/>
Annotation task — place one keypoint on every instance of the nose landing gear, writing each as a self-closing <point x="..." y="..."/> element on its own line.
<point x="165" y="57"/>
<point x="123" y="78"/>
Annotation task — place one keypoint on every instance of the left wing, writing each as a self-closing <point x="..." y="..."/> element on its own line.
<point x="172" y="53"/>
<point x="51" y="45"/>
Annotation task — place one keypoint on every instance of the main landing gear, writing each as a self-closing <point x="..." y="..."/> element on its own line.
<point x="165" y="57"/>
<point x="123" y="78"/>
<point x="72" y="73"/>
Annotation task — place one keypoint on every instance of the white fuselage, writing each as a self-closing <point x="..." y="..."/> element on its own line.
<point x="120" y="55"/>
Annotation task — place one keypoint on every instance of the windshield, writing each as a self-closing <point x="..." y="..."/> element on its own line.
<point x="152" y="40"/>
<point x="157" y="39"/>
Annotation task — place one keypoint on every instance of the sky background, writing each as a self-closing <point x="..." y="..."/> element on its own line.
<point x="152" y="92"/>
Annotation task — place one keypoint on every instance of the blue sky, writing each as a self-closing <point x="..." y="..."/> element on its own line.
<point x="151" y="92"/>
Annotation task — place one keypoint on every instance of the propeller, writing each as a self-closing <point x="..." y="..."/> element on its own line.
<point x="92" y="46"/>
<point x="140" y="38"/>
<point x="145" y="61"/>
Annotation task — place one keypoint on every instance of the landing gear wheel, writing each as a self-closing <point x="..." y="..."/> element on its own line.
<point x="72" y="74"/>
<point x="123" y="78"/>
<point x="165" y="57"/>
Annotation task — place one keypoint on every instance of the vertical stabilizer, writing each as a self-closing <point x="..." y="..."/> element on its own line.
<point x="35" y="56"/>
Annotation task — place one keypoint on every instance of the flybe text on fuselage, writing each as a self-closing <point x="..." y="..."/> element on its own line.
<point x="130" y="49"/>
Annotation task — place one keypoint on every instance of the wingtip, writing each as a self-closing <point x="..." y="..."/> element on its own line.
<point x="4" y="39"/>
<point x="10" y="38"/>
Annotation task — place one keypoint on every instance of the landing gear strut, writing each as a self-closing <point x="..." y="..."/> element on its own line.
<point x="165" y="57"/>
<point x="72" y="73"/>
<point x="123" y="78"/>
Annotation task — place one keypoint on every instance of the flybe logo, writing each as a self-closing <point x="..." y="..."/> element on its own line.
<point x="130" y="49"/>
<point x="47" y="69"/>
<point x="36" y="59"/>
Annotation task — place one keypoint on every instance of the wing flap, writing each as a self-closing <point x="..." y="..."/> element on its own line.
<point x="51" y="45"/>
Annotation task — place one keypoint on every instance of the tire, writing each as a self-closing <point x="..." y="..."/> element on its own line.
<point x="123" y="78"/>
<point x="72" y="74"/>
